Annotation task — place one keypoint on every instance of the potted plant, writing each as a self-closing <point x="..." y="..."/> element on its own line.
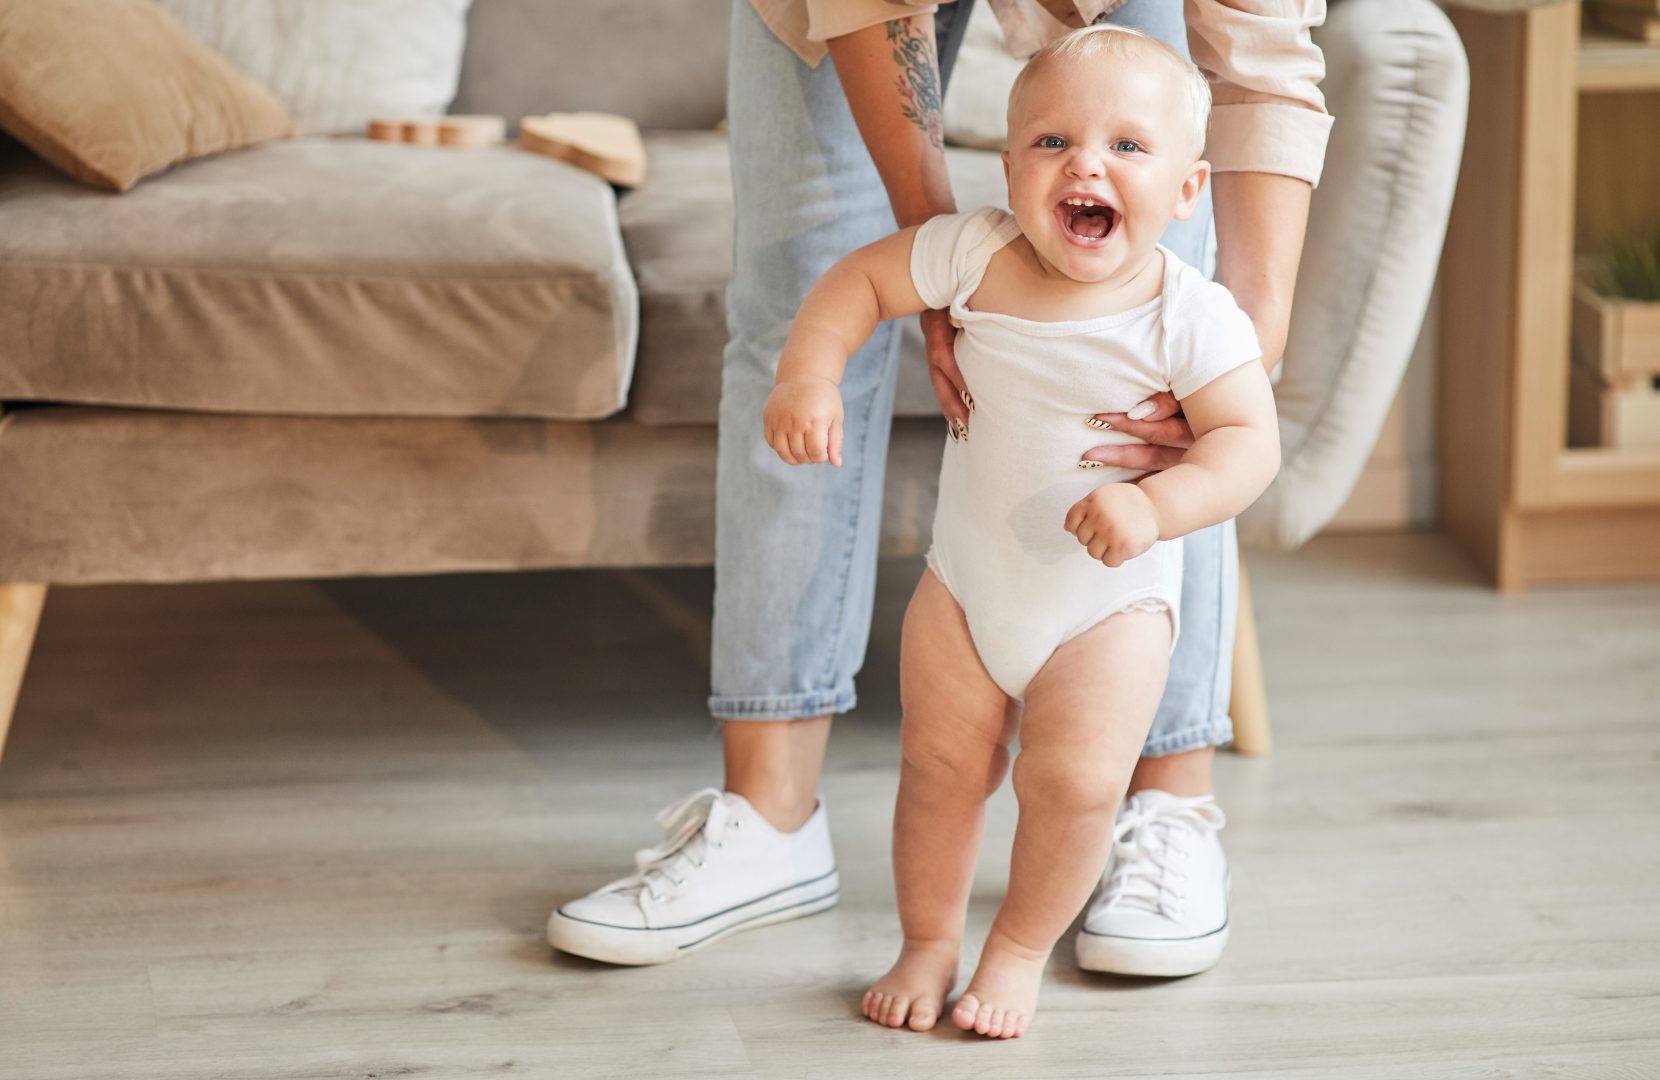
<point x="1614" y="397"/>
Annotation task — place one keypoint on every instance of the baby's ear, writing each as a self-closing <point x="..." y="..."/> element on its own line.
<point x="1193" y="186"/>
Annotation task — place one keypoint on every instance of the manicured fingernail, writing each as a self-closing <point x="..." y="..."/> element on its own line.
<point x="1098" y="424"/>
<point x="1090" y="465"/>
<point x="1142" y="411"/>
<point x="962" y="430"/>
<point x="968" y="399"/>
<point x="951" y="427"/>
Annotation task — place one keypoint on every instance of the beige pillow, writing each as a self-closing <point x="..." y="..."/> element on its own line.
<point x="111" y="91"/>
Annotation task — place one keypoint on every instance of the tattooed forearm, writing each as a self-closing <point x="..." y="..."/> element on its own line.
<point x="919" y="85"/>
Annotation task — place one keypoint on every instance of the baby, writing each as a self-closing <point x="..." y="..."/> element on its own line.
<point x="1067" y="308"/>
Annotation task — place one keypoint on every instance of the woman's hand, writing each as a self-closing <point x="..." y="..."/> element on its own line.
<point x="1260" y="221"/>
<point x="939" y="338"/>
<point x="1158" y="423"/>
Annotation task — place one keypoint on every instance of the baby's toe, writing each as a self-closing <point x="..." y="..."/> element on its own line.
<point x="968" y="1007"/>
<point x="898" y="1007"/>
<point x="923" y="1017"/>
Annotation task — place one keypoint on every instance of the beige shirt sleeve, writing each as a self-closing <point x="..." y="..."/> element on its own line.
<point x="805" y="25"/>
<point x="1268" y="114"/>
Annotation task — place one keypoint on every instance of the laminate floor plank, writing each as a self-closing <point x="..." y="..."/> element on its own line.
<point x="286" y="830"/>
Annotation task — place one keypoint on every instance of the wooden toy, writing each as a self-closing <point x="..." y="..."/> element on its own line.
<point x="460" y="131"/>
<point x="608" y="146"/>
<point x="472" y="131"/>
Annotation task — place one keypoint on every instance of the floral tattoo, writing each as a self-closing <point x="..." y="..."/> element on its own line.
<point x="919" y="86"/>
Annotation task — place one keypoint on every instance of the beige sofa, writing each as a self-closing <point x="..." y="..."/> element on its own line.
<point x="326" y="356"/>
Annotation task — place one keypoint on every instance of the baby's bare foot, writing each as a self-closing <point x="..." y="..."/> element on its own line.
<point x="914" y="988"/>
<point x="1002" y="996"/>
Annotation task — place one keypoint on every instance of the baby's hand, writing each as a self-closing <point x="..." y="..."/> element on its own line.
<point x="803" y="421"/>
<point x="1115" y="522"/>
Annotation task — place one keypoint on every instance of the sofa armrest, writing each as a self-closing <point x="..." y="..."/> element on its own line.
<point x="1398" y="83"/>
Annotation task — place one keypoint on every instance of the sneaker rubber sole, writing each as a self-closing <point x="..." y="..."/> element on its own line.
<point x="1145" y="956"/>
<point x="634" y="947"/>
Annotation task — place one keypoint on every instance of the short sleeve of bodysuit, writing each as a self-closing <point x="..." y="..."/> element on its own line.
<point x="1206" y="335"/>
<point x="949" y="253"/>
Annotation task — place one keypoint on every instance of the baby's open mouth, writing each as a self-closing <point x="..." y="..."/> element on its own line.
<point x="1085" y="218"/>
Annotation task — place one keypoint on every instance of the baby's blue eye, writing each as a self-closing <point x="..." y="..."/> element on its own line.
<point x="1052" y="142"/>
<point x="1125" y="146"/>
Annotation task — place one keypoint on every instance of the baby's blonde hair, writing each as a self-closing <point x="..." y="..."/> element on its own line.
<point x="1124" y="43"/>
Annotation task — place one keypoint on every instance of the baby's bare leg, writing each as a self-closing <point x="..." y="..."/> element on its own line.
<point x="955" y="738"/>
<point x="1087" y="714"/>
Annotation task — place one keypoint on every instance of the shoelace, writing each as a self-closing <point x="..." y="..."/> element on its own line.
<point x="1148" y="844"/>
<point x="688" y="825"/>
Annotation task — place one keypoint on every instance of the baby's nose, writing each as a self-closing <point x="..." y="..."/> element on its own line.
<point x="1086" y="163"/>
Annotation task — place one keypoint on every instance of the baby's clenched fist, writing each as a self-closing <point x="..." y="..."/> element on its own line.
<point x="803" y="421"/>
<point x="1116" y="522"/>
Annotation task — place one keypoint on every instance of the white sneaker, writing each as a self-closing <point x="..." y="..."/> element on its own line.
<point x="722" y="869"/>
<point x="1163" y="904"/>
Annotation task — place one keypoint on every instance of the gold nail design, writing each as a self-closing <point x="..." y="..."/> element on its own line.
<point x="1098" y="424"/>
<point x="968" y="399"/>
<point x="951" y="429"/>
<point x="962" y="430"/>
<point x="1090" y="465"/>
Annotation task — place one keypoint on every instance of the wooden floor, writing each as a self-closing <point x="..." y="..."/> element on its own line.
<point x="301" y="830"/>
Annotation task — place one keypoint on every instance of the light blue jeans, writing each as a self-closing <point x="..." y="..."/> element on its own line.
<point x="795" y="546"/>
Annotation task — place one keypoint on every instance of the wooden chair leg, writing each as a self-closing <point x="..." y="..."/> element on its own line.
<point x="19" y="616"/>
<point x="1248" y="707"/>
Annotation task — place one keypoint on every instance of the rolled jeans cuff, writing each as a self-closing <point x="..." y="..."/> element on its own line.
<point x="1215" y="733"/>
<point x="785" y="706"/>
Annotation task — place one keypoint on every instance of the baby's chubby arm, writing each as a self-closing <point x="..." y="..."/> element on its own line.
<point x="803" y="419"/>
<point x="1231" y="462"/>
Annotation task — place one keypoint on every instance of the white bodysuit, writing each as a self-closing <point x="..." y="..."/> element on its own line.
<point x="1000" y="545"/>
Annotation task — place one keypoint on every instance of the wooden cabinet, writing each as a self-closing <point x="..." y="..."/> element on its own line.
<point x="1525" y="508"/>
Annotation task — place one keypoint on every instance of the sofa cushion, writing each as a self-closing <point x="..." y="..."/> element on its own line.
<point x="321" y="276"/>
<point x="661" y="64"/>
<point x="678" y="228"/>
<point x="337" y="64"/>
<point x="110" y="91"/>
